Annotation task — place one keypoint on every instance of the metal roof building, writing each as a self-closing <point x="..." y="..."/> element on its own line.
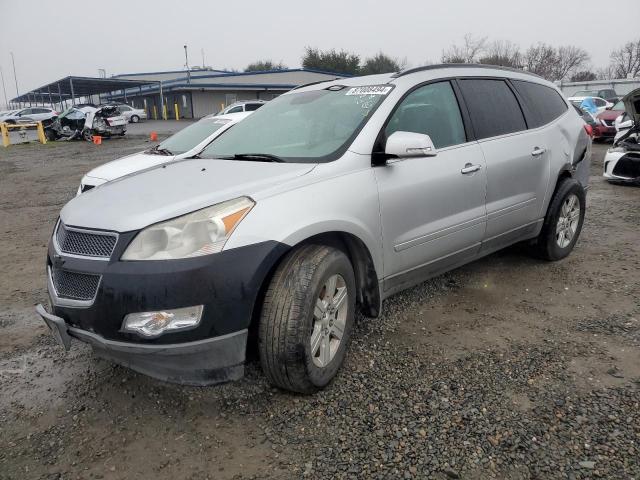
<point x="203" y="92"/>
<point x="191" y="94"/>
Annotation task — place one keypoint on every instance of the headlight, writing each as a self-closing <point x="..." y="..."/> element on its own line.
<point x="199" y="233"/>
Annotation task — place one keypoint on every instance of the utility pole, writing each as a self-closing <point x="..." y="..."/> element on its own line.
<point x="202" y="52"/>
<point x="6" y="102"/>
<point x="15" y="77"/>
<point x="186" y="59"/>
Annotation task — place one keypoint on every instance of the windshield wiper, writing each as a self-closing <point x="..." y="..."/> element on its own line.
<point x="258" y="157"/>
<point x="160" y="151"/>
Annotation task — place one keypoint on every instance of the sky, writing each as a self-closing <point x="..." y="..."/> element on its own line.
<point x="51" y="40"/>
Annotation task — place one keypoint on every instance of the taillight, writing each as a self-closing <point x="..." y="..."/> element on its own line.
<point x="589" y="129"/>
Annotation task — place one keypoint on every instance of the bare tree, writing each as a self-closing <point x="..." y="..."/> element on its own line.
<point x="568" y="60"/>
<point x="541" y="60"/>
<point x="502" y="53"/>
<point x="468" y="52"/>
<point x="606" y="73"/>
<point x="626" y="60"/>
<point x="583" y="76"/>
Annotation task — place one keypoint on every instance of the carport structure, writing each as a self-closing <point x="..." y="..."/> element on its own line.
<point x="74" y="88"/>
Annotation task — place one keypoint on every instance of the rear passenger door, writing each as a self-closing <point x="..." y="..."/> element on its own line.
<point x="432" y="208"/>
<point x="517" y="160"/>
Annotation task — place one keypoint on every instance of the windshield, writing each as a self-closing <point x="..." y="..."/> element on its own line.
<point x="585" y="93"/>
<point x="72" y="114"/>
<point x="619" y="107"/>
<point x="314" y="126"/>
<point x="189" y="137"/>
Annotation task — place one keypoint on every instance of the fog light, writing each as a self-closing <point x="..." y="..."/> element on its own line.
<point x="153" y="324"/>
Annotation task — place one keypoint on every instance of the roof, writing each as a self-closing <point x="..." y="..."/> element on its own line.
<point x="461" y="65"/>
<point x="81" y="87"/>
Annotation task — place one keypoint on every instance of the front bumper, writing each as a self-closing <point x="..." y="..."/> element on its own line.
<point x="622" y="167"/>
<point x="600" y="131"/>
<point x="227" y="284"/>
<point x="203" y="362"/>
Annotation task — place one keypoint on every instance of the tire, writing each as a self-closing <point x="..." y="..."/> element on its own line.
<point x="134" y="119"/>
<point x="87" y="135"/>
<point x="554" y="243"/>
<point x="291" y="318"/>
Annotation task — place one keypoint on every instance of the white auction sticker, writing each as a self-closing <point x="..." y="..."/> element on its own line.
<point x="370" y="90"/>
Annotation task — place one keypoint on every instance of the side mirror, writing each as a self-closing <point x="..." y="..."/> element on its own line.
<point x="409" y="144"/>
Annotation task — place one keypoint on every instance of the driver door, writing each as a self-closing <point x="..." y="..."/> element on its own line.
<point x="432" y="208"/>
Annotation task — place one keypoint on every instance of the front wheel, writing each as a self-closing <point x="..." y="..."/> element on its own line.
<point x="135" y="119"/>
<point x="563" y="222"/>
<point x="307" y="318"/>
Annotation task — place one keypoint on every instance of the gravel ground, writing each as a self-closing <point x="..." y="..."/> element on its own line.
<point x="507" y="368"/>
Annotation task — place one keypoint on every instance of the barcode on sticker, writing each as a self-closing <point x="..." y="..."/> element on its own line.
<point x="369" y="90"/>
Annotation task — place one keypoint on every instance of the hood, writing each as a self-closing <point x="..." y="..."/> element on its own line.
<point x="632" y="105"/>
<point x="129" y="164"/>
<point x="610" y="114"/>
<point x="174" y="189"/>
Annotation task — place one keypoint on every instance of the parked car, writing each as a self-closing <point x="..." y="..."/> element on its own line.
<point x="133" y="115"/>
<point x="605" y="127"/>
<point x="85" y="122"/>
<point x="6" y="113"/>
<point x="328" y="199"/>
<point x="186" y="143"/>
<point x="622" y="161"/>
<point x="36" y="114"/>
<point x="608" y="94"/>
<point x="244" y="106"/>
<point x="593" y="105"/>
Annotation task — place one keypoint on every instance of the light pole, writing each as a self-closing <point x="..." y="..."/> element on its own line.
<point x="186" y="59"/>
<point x="6" y="102"/>
<point x="15" y="77"/>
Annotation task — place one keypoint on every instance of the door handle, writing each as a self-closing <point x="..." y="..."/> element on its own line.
<point x="538" y="151"/>
<point x="469" y="168"/>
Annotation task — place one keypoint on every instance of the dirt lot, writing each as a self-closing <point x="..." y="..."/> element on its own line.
<point x="506" y="368"/>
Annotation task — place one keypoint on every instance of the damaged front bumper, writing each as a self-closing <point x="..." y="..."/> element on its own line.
<point x="202" y="362"/>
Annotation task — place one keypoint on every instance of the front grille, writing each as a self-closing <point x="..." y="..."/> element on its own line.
<point x="627" y="166"/>
<point x="609" y="123"/>
<point x="85" y="243"/>
<point x="75" y="285"/>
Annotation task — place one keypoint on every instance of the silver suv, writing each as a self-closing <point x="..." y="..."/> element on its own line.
<point x="325" y="201"/>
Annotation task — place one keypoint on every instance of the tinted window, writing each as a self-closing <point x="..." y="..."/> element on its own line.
<point x="493" y="107"/>
<point x="544" y="104"/>
<point x="432" y="110"/>
<point x="235" y="109"/>
<point x="250" y="107"/>
<point x="599" y="102"/>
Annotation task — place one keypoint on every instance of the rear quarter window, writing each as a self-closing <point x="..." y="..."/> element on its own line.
<point x="543" y="104"/>
<point x="493" y="108"/>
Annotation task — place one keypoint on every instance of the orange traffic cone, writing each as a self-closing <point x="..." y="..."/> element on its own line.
<point x="154" y="136"/>
<point x="97" y="140"/>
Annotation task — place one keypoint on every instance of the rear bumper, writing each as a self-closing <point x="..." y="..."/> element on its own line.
<point x="203" y="362"/>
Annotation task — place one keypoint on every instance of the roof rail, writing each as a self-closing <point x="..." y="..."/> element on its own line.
<point x="460" y="65"/>
<point x="317" y="82"/>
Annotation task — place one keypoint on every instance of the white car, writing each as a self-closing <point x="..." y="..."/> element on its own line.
<point x="600" y="103"/>
<point x="184" y="144"/>
<point x="6" y="113"/>
<point x="37" y="114"/>
<point x="133" y="115"/>
<point x="243" y="106"/>
<point x="622" y="161"/>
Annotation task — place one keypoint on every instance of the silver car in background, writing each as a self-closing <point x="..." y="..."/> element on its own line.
<point x="325" y="201"/>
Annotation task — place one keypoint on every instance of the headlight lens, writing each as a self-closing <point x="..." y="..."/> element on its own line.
<point x="199" y="233"/>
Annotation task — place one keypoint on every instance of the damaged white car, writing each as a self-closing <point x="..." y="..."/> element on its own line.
<point x="622" y="161"/>
<point x="85" y="122"/>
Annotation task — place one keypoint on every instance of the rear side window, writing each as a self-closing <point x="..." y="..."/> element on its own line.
<point x="544" y="104"/>
<point x="493" y="107"/>
<point x="250" y="107"/>
<point x="235" y="109"/>
<point x="432" y="110"/>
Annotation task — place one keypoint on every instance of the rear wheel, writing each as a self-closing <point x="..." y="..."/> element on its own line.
<point x="135" y="119"/>
<point x="563" y="222"/>
<point x="307" y="318"/>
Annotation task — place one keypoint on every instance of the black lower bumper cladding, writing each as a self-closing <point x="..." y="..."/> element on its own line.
<point x="227" y="284"/>
<point x="628" y="166"/>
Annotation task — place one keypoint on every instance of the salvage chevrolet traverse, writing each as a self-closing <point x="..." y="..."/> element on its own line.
<point x="325" y="201"/>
